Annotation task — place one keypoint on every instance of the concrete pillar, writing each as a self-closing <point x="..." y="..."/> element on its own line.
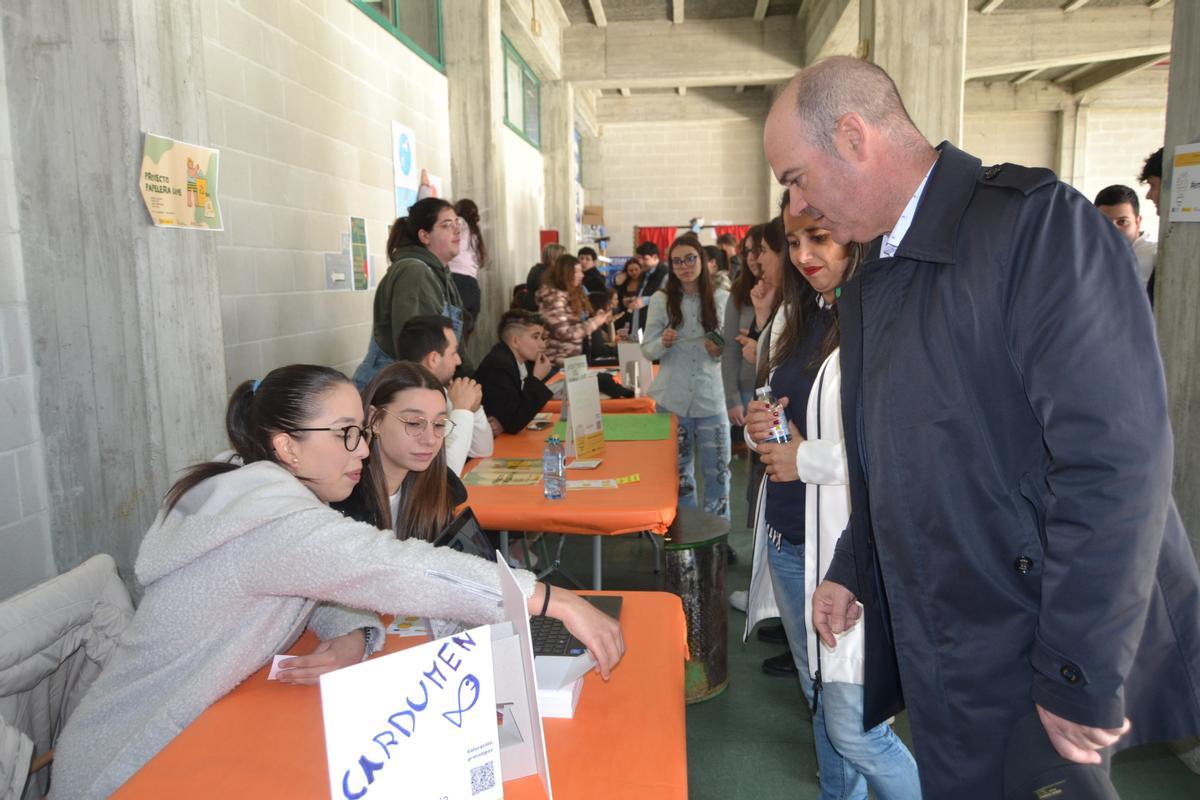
<point x="475" y="78"/>
<point x="558" y="134"/>
<point x="1177" y="281"/>
<point x="922" y="45"/>
<point x="124" y="317"/>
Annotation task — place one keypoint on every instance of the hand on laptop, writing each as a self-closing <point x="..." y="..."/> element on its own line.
<point x="599" y="632"/>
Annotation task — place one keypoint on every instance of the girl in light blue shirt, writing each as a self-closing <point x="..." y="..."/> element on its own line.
<point x="683" y="333"/>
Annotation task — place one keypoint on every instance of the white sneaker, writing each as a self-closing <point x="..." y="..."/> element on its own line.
<point x="739" y="599"/>
<point x="517" y="560"/>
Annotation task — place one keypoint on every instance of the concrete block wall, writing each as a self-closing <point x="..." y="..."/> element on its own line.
<point x="1029" y="138"/>
<point x="666" y="173"/>
<point x="25" y="550"/>
<point x="301" y="97"/>
<point x="1118" y="142"/>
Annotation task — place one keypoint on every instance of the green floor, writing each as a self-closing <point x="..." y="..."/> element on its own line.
<point x="755" y="740"/>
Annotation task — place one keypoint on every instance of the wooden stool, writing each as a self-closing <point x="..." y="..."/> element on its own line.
<point x="695" y="570"/>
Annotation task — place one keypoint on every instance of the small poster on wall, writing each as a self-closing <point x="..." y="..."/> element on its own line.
<point x="406" y="176"/>
<point x="359" y="260"/>
<point x="179" y="184"/>
<point x="1185" y="184"/>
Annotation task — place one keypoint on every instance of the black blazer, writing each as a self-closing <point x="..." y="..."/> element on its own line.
<point x="504" y="395"/>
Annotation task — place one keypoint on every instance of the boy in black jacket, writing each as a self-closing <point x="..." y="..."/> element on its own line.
<point x="513" y="374"/>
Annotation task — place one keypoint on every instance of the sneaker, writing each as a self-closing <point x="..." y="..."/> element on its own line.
<point x="739" y="600"/>
<point x="516" y="558"/>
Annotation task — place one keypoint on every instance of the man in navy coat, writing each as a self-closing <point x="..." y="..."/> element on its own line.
<point x="1013" y="539"/>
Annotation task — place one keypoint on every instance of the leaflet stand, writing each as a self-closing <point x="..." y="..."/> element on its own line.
<point x="637" y="372"/>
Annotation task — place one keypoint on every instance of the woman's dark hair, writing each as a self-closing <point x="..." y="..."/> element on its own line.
<point x="426" y="503"/>
<point x="467" y="209"/>
<point x="286" y="399"/>
<point x="422" y="216"/>
<point x="794" y="292"/>
<point x="745" y="280"/>
<point x="798" y="294"/>
<point x="717" y="256"/>
<point x="561" y="275"/>
<point x="674" y="290"/>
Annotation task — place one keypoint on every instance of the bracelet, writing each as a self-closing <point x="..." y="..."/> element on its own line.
<point x="368" y="642"/>
<point x="545" y="602"/>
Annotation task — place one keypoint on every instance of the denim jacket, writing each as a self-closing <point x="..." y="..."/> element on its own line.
<point x="689" y="379"/>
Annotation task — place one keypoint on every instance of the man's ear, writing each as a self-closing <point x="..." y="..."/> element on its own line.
<point x="432" y="361"/>
<point x="851" y="138"/>
<point x="285" y="448"/>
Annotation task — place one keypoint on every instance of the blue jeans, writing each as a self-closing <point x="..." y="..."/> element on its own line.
<point x="712" y="436"/>
<point x="372" y="362"/>
<point x="839" y="781"/>
<point x="878" y="754"/>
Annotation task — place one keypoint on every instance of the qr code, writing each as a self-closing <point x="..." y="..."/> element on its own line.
<point x="483" y="777"/>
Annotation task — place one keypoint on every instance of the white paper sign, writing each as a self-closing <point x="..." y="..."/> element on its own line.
<point x="585" y="423"/>
<point x="1185" y="184"/>
<point x="420" y="723"/>
<point x="637" y="372"/>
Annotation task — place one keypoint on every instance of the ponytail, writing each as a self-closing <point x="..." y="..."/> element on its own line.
<point x="422" y="216"/>
<point x="284" y="400"/>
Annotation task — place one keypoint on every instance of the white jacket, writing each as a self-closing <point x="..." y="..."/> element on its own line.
<point x="821" y="464"/>
<point x="234" y="573"/>
<point x="471" y="437"/>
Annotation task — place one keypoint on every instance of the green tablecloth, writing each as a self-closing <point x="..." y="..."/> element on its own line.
<point x="630" y="427"/>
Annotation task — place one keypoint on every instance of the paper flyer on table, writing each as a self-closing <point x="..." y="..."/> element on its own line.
<point x="417" y="723"/>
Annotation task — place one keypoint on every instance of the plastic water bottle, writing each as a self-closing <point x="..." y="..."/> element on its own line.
<point x="554" y="469"/>
<point x="779" y="433"/>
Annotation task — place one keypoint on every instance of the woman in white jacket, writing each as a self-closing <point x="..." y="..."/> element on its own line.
<point x="877" y="756"/>
<point x="243" y="558"/>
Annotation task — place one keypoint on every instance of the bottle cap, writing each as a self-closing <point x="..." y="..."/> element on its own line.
<point x="762" y="391"/>
<point x="553" y="440"/>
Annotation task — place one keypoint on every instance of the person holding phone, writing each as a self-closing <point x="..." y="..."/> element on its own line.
<point x="683" y="335"/>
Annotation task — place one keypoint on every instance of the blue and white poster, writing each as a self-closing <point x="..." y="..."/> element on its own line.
<point x="405" y="175"/>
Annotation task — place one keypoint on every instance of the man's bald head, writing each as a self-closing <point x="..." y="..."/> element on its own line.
<point x="825" y="91"/>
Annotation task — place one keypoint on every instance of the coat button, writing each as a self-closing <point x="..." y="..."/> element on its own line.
<point x="1023" y="564"/>
<point x="1069" y="674"/>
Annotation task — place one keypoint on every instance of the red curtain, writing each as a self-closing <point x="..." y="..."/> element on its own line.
<point x="738" y="231"/>
<point x="660" y="236"/>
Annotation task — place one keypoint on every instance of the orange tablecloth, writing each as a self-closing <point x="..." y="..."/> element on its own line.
<point x="614" y="405"/>
<point x="648" y="505"/>
<point x="627" y="740"/>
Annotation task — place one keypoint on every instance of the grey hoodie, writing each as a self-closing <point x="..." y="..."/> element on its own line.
<point x="233" y="575"/>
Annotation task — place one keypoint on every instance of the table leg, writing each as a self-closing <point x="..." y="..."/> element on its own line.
<point x="596" y="562"/>
<point x="504" y="546"/>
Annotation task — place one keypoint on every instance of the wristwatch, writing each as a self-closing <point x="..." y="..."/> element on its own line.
<point x="368" y="642"/>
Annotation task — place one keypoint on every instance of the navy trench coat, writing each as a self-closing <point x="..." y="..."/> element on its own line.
<point x="1013" y="536"/>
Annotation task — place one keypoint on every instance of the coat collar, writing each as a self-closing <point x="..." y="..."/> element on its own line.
<point x="934" y="230"/>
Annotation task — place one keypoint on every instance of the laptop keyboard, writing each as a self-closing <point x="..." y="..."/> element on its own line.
<point x="551" y="638"/>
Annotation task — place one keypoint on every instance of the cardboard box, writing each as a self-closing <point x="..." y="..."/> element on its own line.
<point x="593" y="215"/>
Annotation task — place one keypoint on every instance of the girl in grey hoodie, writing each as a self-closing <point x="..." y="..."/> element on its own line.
<point x="242" y="559"/>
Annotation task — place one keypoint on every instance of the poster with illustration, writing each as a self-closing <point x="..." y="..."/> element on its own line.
<point x="405" y="175"/>
<point x="359" y="263"/>
<point x="179" y="184"/>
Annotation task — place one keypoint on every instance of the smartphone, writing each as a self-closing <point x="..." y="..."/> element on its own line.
<point x="539" y="425"/>
<point x="716" y="338"/>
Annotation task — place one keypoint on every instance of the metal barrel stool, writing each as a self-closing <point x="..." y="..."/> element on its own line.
<point x="695" y="570"/>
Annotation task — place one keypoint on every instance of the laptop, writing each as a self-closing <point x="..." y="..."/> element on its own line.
<point x="464" y="535"/>
<point x="550" y="636"/>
